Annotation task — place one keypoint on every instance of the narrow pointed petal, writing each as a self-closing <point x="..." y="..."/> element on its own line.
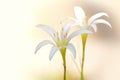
<point x="94" y="27"/>
<point x="54" y="49"/>
<point x="72" y="49"/>
<point x="78" y="32"/>
<point x="79" y="13"/>
<point x="103" y="22"/>
<point x="68" y="26"/>
<point x="41" y="44"/>
<point x="47" y="29"/>
<point x="68" y="18"/>
<point x="96" y="16"/>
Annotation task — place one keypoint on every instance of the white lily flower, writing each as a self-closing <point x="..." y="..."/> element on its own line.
<point x="85" y="24"/>
<point x="61" y="40"/>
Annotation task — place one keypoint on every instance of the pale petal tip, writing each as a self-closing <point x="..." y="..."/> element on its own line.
<point x="103" y="14"/>
<point x="76" y="7"/>
<point x="35" y="52"/>
<point x="39" y="25"/>
<point x="106" y="14"/>
<point x="50" y="58"/>
<point x="54" y="49"/>
<point x="110" y="25"/>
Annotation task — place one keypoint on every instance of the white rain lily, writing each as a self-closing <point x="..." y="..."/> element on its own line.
<point x="61" y="40"/>
<point x="85" y="24"/>
<point x="82" y="21"/>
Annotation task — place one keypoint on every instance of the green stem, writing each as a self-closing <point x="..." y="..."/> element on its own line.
<point x="63" y="52"/>
<point x="84" y="38"/>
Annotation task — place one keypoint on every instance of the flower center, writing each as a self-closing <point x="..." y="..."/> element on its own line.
<point x="61" y="40"/>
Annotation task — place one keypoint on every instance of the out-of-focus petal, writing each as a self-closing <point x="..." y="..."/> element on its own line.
<point x="94" y="27"/>
<point x="78" y="32"/>
<point x="96" y="16"/>
<point x="72" y="49"/>
<point x="54" y="49"/>
<point x="68" y="18"/>
<point x="68" y="26"/>
<point x="79" y="13"/>
<point x="47" y="29"/>
<point x="43" y="43"/>
<point x="103" y="22"/>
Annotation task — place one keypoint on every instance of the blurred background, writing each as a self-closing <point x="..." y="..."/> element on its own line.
<point x="19" y="37"/>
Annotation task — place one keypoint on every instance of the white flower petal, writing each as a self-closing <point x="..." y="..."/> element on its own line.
<point x="68" y="26"/>
<point x="68" y="18"/>
<point x="72" y="49"/>
<point x="78" y="32"/>
<point x="79" y="13"/>
<point x="94" y="27"/>
<point x="47" y="29"/>
<point x="96" y="16"/>
<point x="43" y="43"/>
<point x="103" y="22"/>
<point x="54" y="49"/>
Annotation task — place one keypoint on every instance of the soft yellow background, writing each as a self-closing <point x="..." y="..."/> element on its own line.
<point x="19" y="37"/>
